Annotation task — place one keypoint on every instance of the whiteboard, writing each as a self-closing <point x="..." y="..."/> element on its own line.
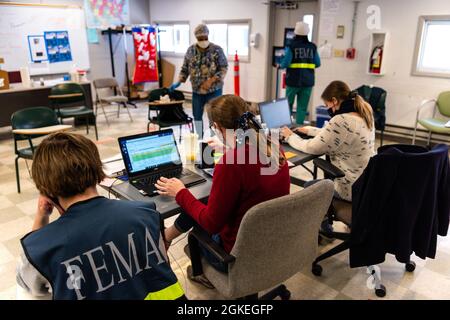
<point x="19" y="22"/>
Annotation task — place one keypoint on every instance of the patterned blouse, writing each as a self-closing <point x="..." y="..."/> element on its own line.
<point x="349" y="143"/>
<point x="201" y="66"/>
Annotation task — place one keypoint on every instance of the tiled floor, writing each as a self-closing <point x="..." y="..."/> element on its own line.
<point x="431" y="280"/>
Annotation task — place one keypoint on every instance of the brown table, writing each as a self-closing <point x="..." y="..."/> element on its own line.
<point x="43" y="130"/>
<point x="17" y="98"/>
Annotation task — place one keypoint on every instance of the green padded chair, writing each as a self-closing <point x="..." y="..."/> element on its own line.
<point x="435" y="125"/>
<point x="30" y="118"/>
<point x="69" y="101"/>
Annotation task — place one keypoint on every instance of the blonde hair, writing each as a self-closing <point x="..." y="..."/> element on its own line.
<point x="341" y="91"/>
<point x="226" y="110"/>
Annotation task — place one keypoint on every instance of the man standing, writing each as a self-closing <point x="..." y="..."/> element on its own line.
<point x="301" y="58"/>
<point x="207" y="65"/>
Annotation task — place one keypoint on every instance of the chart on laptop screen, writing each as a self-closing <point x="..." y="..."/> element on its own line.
<point x="150" y="152"/>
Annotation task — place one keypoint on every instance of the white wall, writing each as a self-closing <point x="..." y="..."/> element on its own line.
<point x="400" y="18"/>
<point x="253" y="74"/>
<point x="99" y="53"/>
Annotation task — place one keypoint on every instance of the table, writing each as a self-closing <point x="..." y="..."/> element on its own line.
<point x="18" y="97"/>
<point x="168" y="207"/>
<point x="43" y="130"/>
<point x="157" y="104"/>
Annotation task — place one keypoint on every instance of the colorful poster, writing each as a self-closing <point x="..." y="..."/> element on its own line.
<point x="146" y="55"/>
<point x="58" y="46"/>
<point x="106" y="13"/>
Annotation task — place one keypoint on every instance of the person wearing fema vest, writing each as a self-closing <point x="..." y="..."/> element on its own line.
<point x="97" y="248"/>
<point x="301" y="59"/>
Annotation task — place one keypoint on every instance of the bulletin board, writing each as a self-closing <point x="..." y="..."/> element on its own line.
<point x="29" y="29"/>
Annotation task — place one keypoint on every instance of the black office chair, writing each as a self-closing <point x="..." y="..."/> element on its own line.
<point x="69" y="101"/>
<point x="30" y="118"/>
<point x="341" y="210"/>
<point x="376" y="97"/>
<point x="168" y="115"/>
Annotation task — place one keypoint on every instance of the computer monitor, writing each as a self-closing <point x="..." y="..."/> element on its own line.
<point x="145" y="153"/>
<point x="276" y="114"/>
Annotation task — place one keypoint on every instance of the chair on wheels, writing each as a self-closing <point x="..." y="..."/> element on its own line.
<point x="168" y="115"/>
<point x="69" y="101"/>
<point x="402" y="163"/>
<point x="376" y="97"/>
<point x="120" y="99"/>
<point x="30" y="118"/>
<point x="276" y="239"/>
<point x="434" y="124"/>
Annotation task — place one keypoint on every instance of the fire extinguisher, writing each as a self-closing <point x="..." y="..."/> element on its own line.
<point x="376" y="59"/>
<point x="236" y="75"/>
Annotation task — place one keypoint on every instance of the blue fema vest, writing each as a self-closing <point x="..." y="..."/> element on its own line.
<point x="301" y="71"/>
<point x="104" y="249"/>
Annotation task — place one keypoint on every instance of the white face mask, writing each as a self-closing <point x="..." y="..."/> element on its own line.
<point x="203" y="44"/>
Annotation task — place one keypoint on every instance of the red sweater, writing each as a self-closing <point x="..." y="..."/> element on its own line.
<point x="235" y="189"/>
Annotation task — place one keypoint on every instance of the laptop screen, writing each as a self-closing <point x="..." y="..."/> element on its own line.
<point x="145" y="152"/>
<point x="275" y="114"/>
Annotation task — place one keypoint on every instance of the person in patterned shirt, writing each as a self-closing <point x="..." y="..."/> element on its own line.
<point x="206" y="64"/>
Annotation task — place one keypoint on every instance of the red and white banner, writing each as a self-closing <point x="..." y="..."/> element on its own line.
<point x="146" y="55"/>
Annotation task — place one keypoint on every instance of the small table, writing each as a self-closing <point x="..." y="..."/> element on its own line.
<point x="163" y="103"/>
<point x="43" y="130"/>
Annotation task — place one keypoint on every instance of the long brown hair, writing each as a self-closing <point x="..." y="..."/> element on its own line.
<point x="227" y="109"/>
<point x="341" y="91"/>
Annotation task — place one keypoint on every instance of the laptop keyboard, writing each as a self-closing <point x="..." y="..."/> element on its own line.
<point x="151" y="180"/>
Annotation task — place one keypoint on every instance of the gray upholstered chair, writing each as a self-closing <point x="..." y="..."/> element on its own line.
<point x="276" y="240"/>
<point x="103" y="100"/>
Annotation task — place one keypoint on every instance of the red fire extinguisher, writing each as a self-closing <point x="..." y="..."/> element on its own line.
<point x="376" y="59"/>
<point x="236" y="75"/>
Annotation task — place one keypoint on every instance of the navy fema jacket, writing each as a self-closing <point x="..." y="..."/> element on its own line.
<point x="400" y="204"/>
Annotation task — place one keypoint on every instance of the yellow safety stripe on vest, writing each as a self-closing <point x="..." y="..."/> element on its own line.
<point x="302" y="66"/>
<point x="170" y="293"/>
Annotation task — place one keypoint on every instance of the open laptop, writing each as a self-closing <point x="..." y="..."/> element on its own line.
<point x="150" y="156"/>
<point x="276" y="114"/>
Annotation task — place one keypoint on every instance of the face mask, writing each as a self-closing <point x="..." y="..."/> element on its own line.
<point x="203" y="44"/>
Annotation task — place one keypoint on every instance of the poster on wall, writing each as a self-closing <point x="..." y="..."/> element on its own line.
<point x="58" y="46"/>
<point x="38" y="49"/>
<point x="146" y="55"/>
<point x="106" y="13"/>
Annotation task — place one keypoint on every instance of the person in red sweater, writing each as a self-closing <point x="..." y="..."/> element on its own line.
<point x="238" y="183"/>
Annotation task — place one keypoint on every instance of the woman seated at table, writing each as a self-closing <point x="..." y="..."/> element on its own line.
<point x="348" y="138"/>
<point x="237" y="185"/>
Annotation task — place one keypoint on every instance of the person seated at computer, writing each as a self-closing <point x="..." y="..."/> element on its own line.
<point x="98" y="248"/>
<point x="237" y="185"/>
<point x="348" y="138"/>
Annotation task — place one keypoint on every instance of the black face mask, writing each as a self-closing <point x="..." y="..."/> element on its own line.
<point x="347" y="106"/>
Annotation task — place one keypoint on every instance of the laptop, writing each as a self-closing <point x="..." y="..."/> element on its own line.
<point x="150" y="156"/>
<point x="276" y="114"/>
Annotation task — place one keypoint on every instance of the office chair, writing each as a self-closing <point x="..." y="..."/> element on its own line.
<point x="168" y="115"/>
<point x="69" y="101"/>
<point x="413" y="162"/>
<point x="30" y="118"/>
<point x="276" y="239"/>
<point x="434" y="124"/>
<point x="376" y="97"/>
<point x="120" y="99"/>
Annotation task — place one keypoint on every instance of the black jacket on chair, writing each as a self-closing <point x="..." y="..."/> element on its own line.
<point x="400" y="204"/>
